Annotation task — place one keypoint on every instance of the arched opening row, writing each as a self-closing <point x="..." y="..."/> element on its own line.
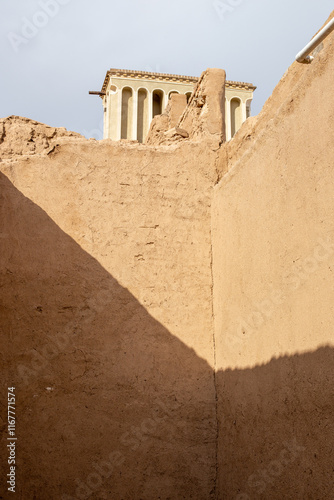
<point x="138" y="108"/>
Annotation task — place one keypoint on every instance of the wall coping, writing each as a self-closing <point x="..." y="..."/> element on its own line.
<point x="169" y="77"/>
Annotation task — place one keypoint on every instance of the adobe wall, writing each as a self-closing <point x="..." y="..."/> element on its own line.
<point x="202" y="119"/>
<point x="134" y="314"/>
<point x="107" y="315"/>
<point x="273" y="264"/>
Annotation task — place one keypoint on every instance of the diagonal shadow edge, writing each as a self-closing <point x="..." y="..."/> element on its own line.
<point x="101" y="383"/>
<point x="95" y="373"/>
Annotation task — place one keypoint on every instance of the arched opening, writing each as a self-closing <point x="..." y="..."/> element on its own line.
<point x="171" y="93"/>
<point x="142" y="121"/>
<point x="248" y="108"/>
<point x="127" y="113"/>
<point x="236" y="118"/>
<point x="188" y="95"/>
<point x="157" y="102"/>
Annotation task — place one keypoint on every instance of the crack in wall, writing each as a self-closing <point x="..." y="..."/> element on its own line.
<point x="215" y="491"/>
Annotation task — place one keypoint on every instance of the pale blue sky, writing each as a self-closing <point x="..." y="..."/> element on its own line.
<point x="47" y="71"/>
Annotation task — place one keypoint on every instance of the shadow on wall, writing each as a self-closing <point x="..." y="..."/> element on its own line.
<point x="111" y="405"/>
<point x="277" y="429"/>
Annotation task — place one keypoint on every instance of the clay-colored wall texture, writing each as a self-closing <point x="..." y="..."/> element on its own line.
<point x="106" y="319"/>
<point x="273" y="264"/>
<point x="170" y="337"/>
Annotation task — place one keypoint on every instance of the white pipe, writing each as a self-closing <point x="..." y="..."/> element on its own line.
<point x="303" y="55"/>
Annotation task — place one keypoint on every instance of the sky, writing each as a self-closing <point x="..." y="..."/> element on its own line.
<point x="54" y="51"/>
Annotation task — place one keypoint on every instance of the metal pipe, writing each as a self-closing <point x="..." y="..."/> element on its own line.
<point x="303" y="55"/>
